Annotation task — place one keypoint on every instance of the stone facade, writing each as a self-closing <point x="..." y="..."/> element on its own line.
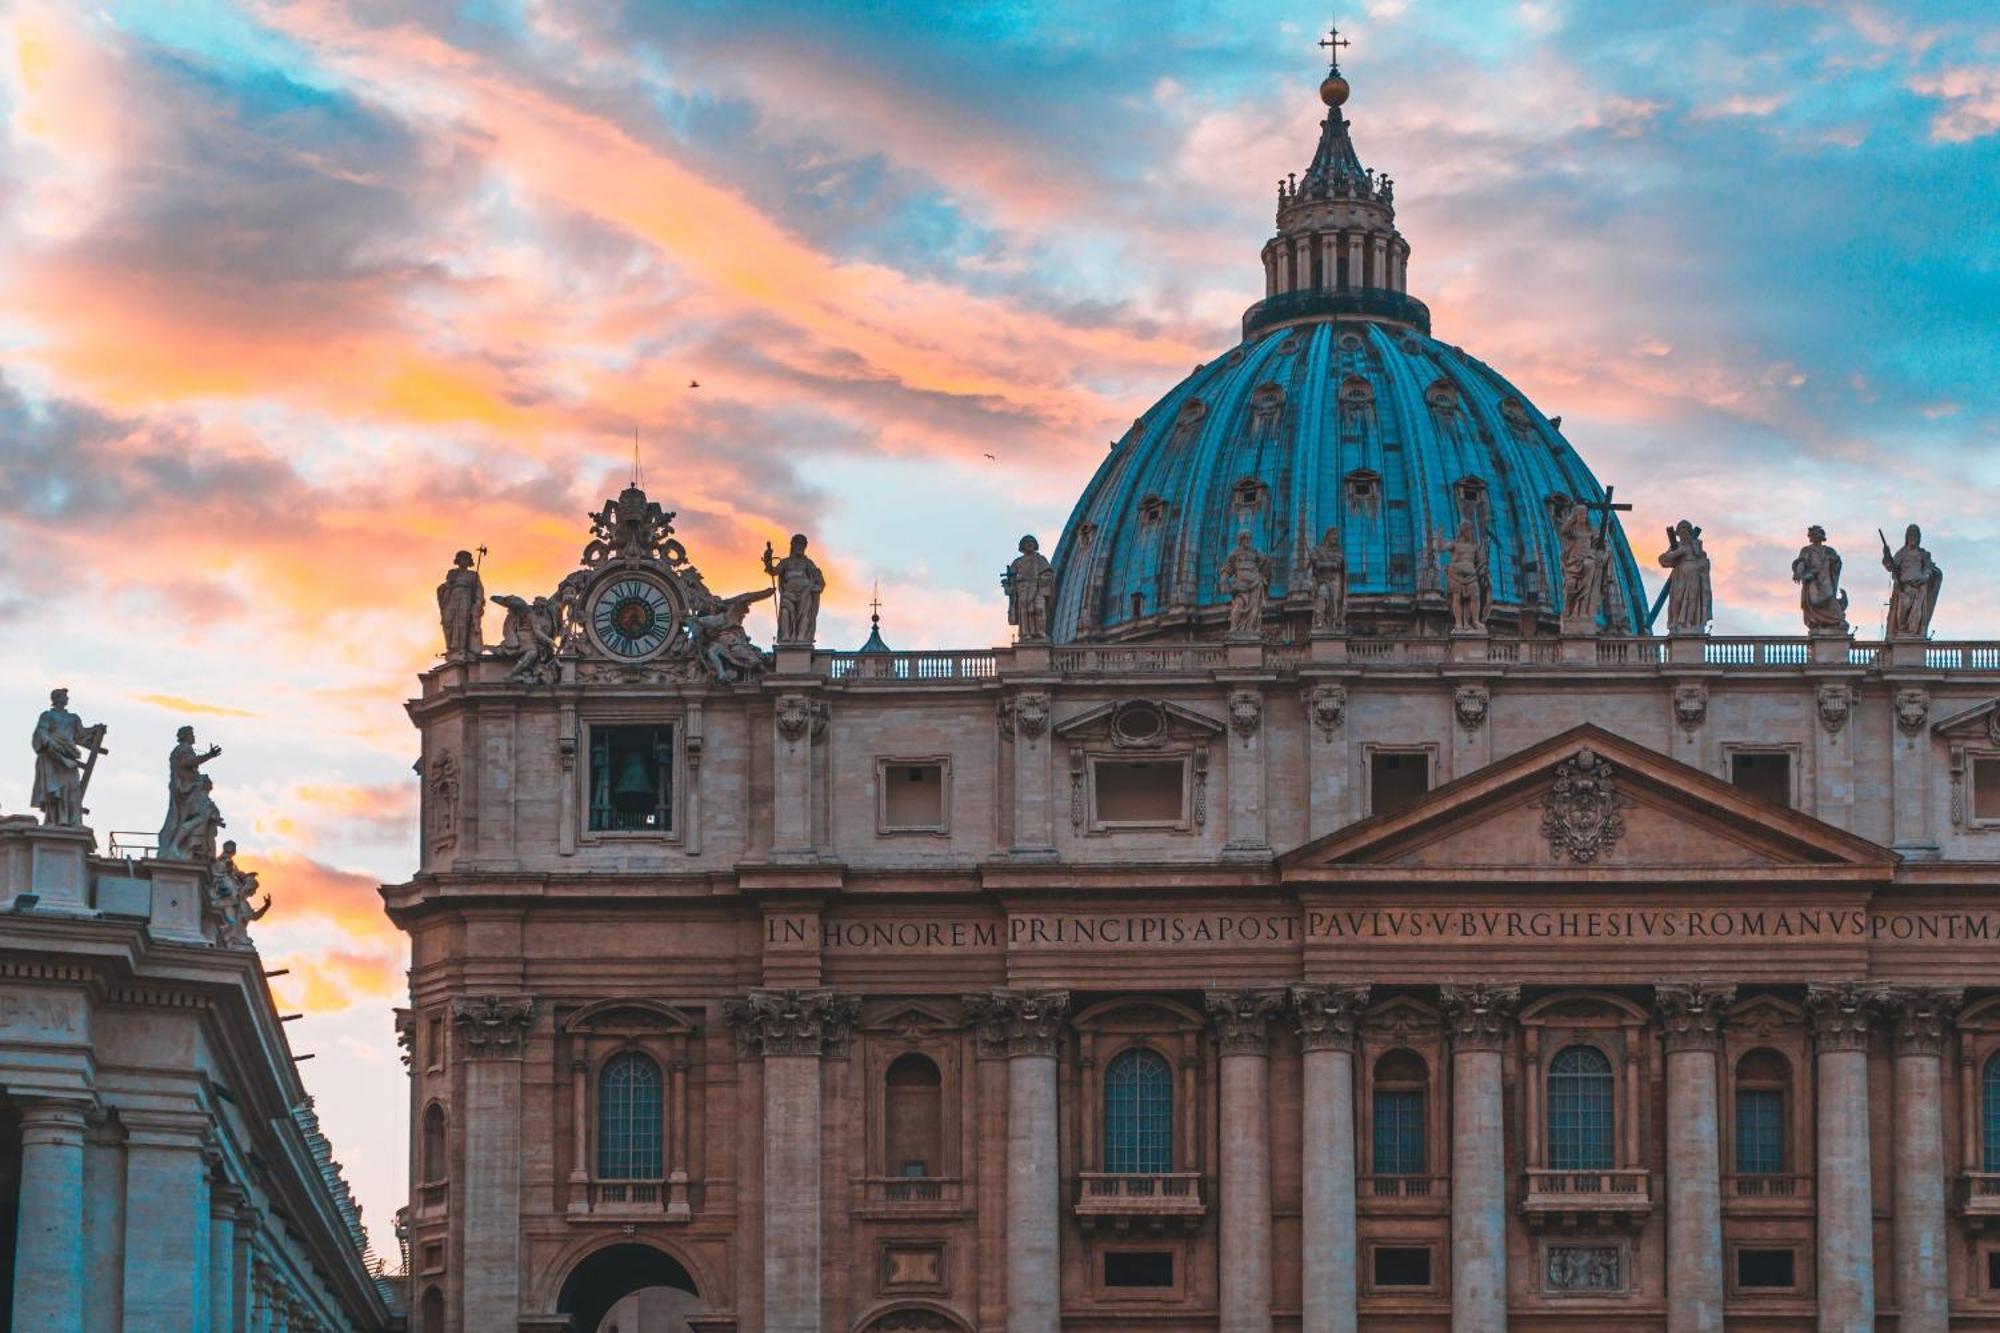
<point x="1589" y="868"/>
<point x="161" y="1166"/>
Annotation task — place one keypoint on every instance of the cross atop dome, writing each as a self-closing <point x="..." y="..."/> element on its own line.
<point x="1333" y="42"/>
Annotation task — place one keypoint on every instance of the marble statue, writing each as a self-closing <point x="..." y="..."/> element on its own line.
<point x="568" y="609"/>
<point x="1817" y="572"/>
<point x="230" y="889"/>
<point x="721" y="643"/>
<point x="800" y="584"/>
<point x="1329" y="583"/>
<point x="1913" y="590"/>
<point x="461" y="602"/>
<point x="190" y="811"/>
<point x="530" y="638"/>
<point x="194" y="839"/>
<point x="1585" y="559"/>
<point x="1246" y="576"/>
<point x="1030" y="585"/>
<point x="1468" y="581"/>
<point x="1690" y="598"/>
<point x="65" y="753"/>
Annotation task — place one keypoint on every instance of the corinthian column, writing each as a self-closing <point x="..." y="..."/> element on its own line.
<point x="492" y="1030"/>
<point x="1920" y="1015"/>
<point x="1690" y="1016"/>
<point x="1479" y="1018"/>
<point x="792" y="1029"/>
<point x="1326" y="1016"/>
<point x="1242" y="1021"/>
<point x="1840" y="1016"/>
<point x="1029" y="1029"/>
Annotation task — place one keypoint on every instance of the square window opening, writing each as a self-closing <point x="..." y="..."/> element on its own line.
<point x="1150" y="791"/>
<point x="433" y="1259"/>
<point x="1767" y="775"/>
<point x="1986" y="791"/>
<point x="913" y="797"/>
<point x="631" y="779"/>
<point x="1397" y="780"/>
<point x="1993" y="1270"/>
<point x="1766" y="1269"/>
<point x="1402" y="1266"/>
<point x="1139" y="1268"/>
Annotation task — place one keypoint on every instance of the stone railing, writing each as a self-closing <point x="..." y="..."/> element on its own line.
<point x="1626" y="1190"/>
<point x="433" y="1197"/>
<point x="911" y="1196"/>
<point x="1979" y="1194"/>
<point x="1785" y="1188"/>
<point x="1405" y="1187"/>
<point x="911" y="666"/>
<point x="1165" y="1195"/>
<point x="1111" y="659"/>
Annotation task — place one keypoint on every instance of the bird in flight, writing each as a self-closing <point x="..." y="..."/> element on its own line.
<point x="991" y="459"/>
<point x="694" y="384"/>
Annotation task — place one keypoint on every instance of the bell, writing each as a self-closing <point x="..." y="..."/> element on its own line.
<point x="635" y="779"/>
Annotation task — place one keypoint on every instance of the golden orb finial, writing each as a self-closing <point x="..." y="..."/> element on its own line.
<point x="1333" y="90"/>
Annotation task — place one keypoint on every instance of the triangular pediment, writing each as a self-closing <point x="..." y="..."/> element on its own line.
<point x="1979" y="723"/>
<point x="1591" y="805"/>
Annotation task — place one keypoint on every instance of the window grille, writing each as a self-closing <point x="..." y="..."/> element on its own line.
<point x="1760" y="1131"/>
<point x="1399" y="1134"/>
<point x="1138" y="1114"/>
<point x="1989" y="1116"/>
<point x="1580" y="1121"/>
<point x="628" y="1119"/>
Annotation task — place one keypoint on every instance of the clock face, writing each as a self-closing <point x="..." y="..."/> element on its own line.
<point x="632" y="618"/>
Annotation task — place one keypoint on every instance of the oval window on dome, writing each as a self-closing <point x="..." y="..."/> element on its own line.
<point x="1289" y="346"/>
<point x="1442" y="395"/>
<point x="1152" y="509"/>
<point x="1350" y="342"/>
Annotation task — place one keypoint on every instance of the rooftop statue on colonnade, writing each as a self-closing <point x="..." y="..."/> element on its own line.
<point x="1246" y="576"/>
<point x="1817" y="572"/>
<point x="1690" y="597"/>
<point x="66" y="754"/>
<point x="1328" y="562"/>
<point x="1030" y="584"/>
<point x="1914" y="582"/>
<point x="188" y="832"/>
<point x="799" y="583"/>
<point x="1467" y="581"/>
<point x="461" y="600"/>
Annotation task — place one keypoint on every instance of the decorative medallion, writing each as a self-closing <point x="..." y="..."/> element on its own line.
<point x="1835" y="702"/>
<point x="1326" y="705"/>
<point x="1913" y="707"/>
<point x="1581" y="815"/>
<point x="799" y="714"/>
<point x="1246" y="710"/>
<point x="1470" y="704"/>
<point x="1690" y="707"/>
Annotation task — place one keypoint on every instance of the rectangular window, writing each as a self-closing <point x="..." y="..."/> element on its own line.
<point x="433" y="1260"/>
<point x="631" y="779"/>
<point x="1986" y="791"/>
<point x="1402" y="1266"/>
<point x="434" y="1044"/>
<point x="1766" y="775"/>
<point x="1399" y="1134"/>
<point x="1138" y="1268"/>
<point x="913" y="797"/>
<point x="1147" y="791"/>
<point x="1397" y="779"/>
<point x="1766" y="1269"/>
<point x="1993" y="1270"/>
<point x="1760" y="1131"/>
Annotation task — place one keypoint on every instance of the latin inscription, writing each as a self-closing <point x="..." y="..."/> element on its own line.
<point x="33" y="1011"/>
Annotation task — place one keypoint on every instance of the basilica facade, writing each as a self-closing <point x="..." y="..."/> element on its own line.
<point x="1351" y="903"/>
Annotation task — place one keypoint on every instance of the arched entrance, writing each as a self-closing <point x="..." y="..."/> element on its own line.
<point x="913" y="1317"/>
<point x="666" y="1291"/>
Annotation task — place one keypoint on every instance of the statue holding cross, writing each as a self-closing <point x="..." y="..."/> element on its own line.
<point x="1586" y="558"/>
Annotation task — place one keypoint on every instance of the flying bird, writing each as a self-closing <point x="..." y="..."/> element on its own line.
<point x="694" y="384"/>
<point x="990" y="458"/>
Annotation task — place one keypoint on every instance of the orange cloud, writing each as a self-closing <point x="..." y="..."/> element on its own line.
<point x="173" y="703"/>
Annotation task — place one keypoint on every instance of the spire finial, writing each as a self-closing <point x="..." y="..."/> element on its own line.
<point x="1333" y="88"/>
<point x="635" y="455"/>
<point x="875" y="605"/>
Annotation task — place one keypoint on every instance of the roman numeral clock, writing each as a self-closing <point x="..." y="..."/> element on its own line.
<point x="633" y="616"/>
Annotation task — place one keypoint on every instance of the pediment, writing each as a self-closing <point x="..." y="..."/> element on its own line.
<point x="1979" y="724"/>
<point x="910" y="1018"/>
<point x="1588" y="805"/>
<point x="1140" y="723"/>
<point x="627" y="1016"/>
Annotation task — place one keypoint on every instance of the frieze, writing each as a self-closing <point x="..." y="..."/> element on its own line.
<point x="493" y="1025"/>
<point x="793" y="1022"/>
<point x="1690" y="1013"/>
<point x="1921" y="1015"/>
<point x="1478" y="1015"/>
<point x="1326" y="1016"/>
<point x="1841" y="1013"/>
<point x="42" y="1013"/>
<point x="1242" y="1018"/>
<point x="1015" y="1023"/>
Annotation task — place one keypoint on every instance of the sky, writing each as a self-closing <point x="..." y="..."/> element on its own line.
<point x="297" y="298"/>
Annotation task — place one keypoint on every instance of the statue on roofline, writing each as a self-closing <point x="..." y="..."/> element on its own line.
<point x="461" y="600"/>
<point x="188" y="832"/>
<point x="230" y="889"/>
<point x="1585" y="559"/>
<point x="1690" y="598"/>
<point x="1914" y="582"/>
<point x="1030" y="584"/>
<point x="1246" y="576"/>
<point x="799" y="584"/>
<point x="1328" y="562"/>
<point x="66" y="754"/>
<point x="1816" y="570"/>
<point x="1468" y="581"/>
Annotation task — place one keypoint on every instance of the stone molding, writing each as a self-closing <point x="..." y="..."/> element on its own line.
<point x="1479" y="1015"/>
<point x="1922" y="1015"/>
<point x="1015" y="1023"/>
<point x="493" y="1026"/>
<point x="1841" y="1013"/>
<point x="793" y="1022"/>
<point x="1690" y="1013"/>
<point x="1326" y="1016"/>
<point x="1025" y="715"/>
<point x="1242" y="1018"/>
<point x="800" y="715"/>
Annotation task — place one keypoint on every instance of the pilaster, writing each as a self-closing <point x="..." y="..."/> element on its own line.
<point x="1326" y="755"/>
<point x="166" y="1219"/>
<point x="1248" y="826"/>
<point x="1023" y="719"/>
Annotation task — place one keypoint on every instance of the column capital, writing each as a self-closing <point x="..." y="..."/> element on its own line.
<point x="1920" y="1015"/>
<point x="1015" y="1023"/>
<point x="1840" y="1013"/>
<point x="493" y="1026"/>
<point x="1242" y="1018"/>
<point x="1690" y="1013"/>
<point x="54" y="1119"/>
<point x="1325" y="1016"/>
<point x="1478" y="1014"/>
<point x="793" y="1022"/>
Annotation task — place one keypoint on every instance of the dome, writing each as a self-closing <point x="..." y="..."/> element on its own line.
<point x="1338" y="410"/>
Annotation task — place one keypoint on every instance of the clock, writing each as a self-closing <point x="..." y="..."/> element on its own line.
<point x="633" y="617"/>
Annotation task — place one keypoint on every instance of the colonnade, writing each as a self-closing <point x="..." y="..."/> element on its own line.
<point x="1027" y="1028"/>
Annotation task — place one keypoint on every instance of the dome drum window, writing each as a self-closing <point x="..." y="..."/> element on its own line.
<point x="1443" y="398"/>
<point x="1251" y="493"/>
<point x="1267" y="404"/>
<point x="1364" y="493"/>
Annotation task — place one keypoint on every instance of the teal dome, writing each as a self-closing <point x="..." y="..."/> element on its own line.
<point x="1374" y="428"/>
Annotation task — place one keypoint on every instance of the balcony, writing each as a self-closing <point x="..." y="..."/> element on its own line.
<point x="1774" y="1193"/>
<point x="1155" y="1200"/>
<point x="1979" y="1198"/>
<point x="623" y="1200"/>
<point x="1403" y="1195"/>
<point x="890" y="1197"/>
<point x="433" y="1199"/>
<point x="1587" y="1198"/>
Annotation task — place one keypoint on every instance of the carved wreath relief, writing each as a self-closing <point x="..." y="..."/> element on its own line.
<point x="1582" y="814"/>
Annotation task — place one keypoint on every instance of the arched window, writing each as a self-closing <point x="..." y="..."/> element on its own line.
<point x="1399" y="1138"/>
<point x="1139" y="1114"/>
<point x="1580" y="1123"/>
<point x="913" y="1107"/>
<point x="628" y="1119"/>
<point x="1762" y="1080"/>
<point x="432" y="1311"/>
<point x="1989" y="1116"/>
<point x="436" y="1165"/>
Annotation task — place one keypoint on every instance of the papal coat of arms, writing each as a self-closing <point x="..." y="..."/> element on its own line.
<point x="1583" y="813"/>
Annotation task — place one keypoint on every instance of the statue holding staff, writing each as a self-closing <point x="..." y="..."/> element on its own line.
<point x="65" y="756"/>
<point x="799" y="583"/>
<point x="1030" y="584"/>
<point x="1914" y="582"/>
